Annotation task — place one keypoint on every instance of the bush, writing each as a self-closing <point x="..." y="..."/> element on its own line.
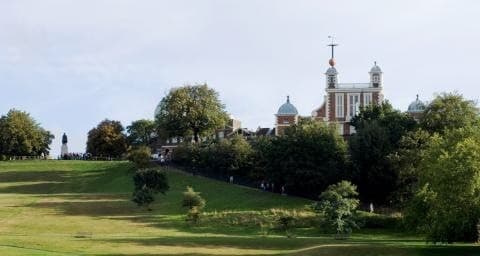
<point x="140" y="156"/>
<point x="194" y="204"/>
<point x="338" y="204"/>
<point x="147" y="183"/>
<point x="374" y="221"/>
<point x="3" y="158"/>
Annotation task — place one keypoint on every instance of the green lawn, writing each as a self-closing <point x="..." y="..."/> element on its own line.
<point x="84" y="208"/>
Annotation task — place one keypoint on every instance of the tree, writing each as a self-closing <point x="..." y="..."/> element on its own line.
<point x="447" y="205"/>
<point x="141" y="132"/>
<point x="379" y="130"/>
<point x="307" y="158"/>
<point x="449" y="111"/>
<point x="21" y="135"/>
<point x="194" y="204"/>
<point x="338" y="204"/>
<point x="190" y="111"/>
<point x="107" y="139"/>
<point x="140" y="156"/>
<point x="147" y="183"/>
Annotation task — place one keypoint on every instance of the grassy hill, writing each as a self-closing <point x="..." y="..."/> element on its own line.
<point x="84" y="208"/>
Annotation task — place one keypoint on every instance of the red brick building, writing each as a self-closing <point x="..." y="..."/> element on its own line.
<point x="286" y="116"/>
<point x="344" y="100"/>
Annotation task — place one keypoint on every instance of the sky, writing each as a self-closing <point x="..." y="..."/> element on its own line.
<point x="72" y="63"/>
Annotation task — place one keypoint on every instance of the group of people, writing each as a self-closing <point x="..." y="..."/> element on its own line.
<point x="76" y="156"/>
<point x="270" y="186"/>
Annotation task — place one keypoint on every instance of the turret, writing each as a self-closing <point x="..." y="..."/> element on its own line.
<point x="375" y="76"/>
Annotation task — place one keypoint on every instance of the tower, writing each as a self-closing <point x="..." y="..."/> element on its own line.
<point x="64" y="149"/>
<point x="375" y="76"/>
<point x="287" y="115"/>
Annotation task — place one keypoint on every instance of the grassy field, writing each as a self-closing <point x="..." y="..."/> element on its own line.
<point x="84" y="208"/>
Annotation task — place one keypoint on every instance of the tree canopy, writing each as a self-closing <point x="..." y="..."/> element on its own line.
<point x="449" y="111"/>
<point x="190" y="110"/>
<point x="141" y="132"/>
<point x="107" y="139"/>
<point x="21" y="135"/>
<point x="379" y="130"/>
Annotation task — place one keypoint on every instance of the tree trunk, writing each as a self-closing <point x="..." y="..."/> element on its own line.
<point x="195" y="136"/>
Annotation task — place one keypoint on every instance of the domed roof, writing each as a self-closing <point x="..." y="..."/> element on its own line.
<point x="416" y="106"/>
<point x="331" y="71"/>
<point x="375" y="68"/>
<point x="287" y="108"/>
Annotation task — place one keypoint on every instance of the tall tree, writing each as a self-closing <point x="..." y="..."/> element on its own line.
<point x="141" y="132"/>
<point x="21" y="135"/>
<point x="107" y="139"/>
<point x="379" y="130"/>
<point x="191" y="111"/>
<point x="447" y="206"/>
<point x="449" y="111"/>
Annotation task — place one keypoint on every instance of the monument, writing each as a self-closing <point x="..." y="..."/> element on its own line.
<point x="64" y="149"/>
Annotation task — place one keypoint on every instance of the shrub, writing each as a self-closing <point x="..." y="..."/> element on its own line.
<point x="140" y="156"/>
<point x="194" y="204"/>
<point x="147" y="183"/>
<point x="338" y="204"/>
<point x="286" y="223"/>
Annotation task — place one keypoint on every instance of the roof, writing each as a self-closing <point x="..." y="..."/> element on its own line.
<point x="375" y="68"/>
<point x="287" y="108"/>
<point x="331" y="71"/>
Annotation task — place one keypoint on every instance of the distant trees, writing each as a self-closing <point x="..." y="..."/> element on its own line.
<point x="107" y="139"/>
<point x="21" y="135"/>
<point x="141" y="132"/>
<point x="190" y="111"/>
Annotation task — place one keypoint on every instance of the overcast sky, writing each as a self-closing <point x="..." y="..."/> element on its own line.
<point x="72" y="64"/>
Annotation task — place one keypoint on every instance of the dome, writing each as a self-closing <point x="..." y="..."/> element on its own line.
<point x="331" y="71"/>
<point x="375" y="68"/>
<point x="416" y="106"/>
<point x="287" y="108"/>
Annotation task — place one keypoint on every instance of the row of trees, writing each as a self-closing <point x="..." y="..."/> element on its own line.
<point x="429" y="168"/>
<point x="21" y="135"/>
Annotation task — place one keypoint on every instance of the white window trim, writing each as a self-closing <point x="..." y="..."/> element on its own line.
<point x="348" y="103"/>
<point x="337" y="96"/>
<point x="365" y="99"/>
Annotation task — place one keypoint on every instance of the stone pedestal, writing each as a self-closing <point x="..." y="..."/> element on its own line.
<point x="64" y="150"/>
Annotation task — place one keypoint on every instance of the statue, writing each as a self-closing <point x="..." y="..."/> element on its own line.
<point x="64" y="149"/>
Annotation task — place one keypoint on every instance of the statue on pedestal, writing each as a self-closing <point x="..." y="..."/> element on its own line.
<point x="64" y="149"/>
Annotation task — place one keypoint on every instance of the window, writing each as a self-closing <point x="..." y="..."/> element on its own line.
<point x="354" y="104"/>
<point x="339" y="105"/>
<point x="367" y="99"/>
<point x="352" y="129"/>
<point x="340" y="129"/>
<point x="376" y="78"/>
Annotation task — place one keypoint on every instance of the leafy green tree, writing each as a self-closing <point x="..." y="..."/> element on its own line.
<point x="107" y="139"/>
<point x="338" y="204"/>
<point x="449" y="111"/>
<point x="21" y="135"/>
<point x="447" y="206"/>
<point x="194" y="204"/>
<point x="379" y="130"/>
<point x="308" y="158"/>
<point x="147" y="183"/>
<point x="141" y="132"/>
<point x="190" y="111"/>
<point x="140" y="156"/>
